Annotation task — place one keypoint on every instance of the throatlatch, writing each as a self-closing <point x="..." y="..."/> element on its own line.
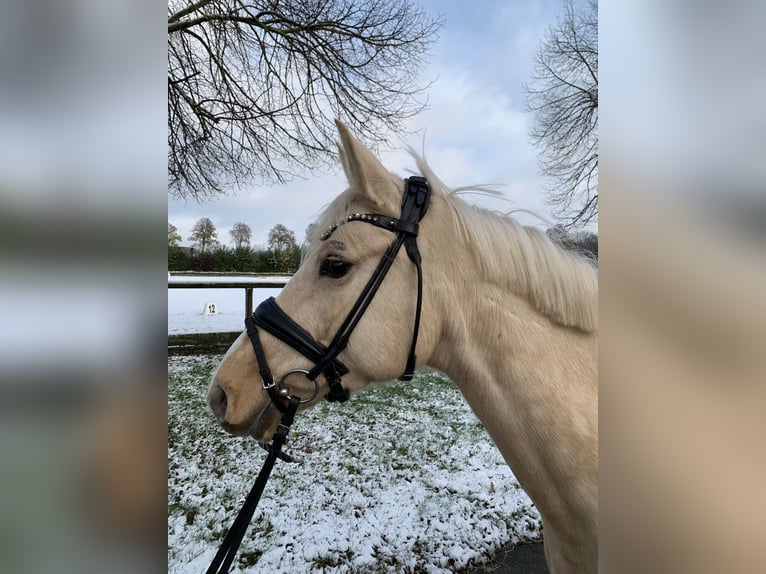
<point x="270" y="317"/>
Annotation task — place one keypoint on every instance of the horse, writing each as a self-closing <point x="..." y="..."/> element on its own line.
<point x="508" y="315"/>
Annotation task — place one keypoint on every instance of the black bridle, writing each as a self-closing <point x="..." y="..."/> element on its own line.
<point x="270" y="317"/>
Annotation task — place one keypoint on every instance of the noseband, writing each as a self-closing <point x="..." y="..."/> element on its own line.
<point x="271" y="318"/>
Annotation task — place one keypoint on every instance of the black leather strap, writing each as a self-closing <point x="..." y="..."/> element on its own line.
<point x="263" y="365"/>
<point x="415" y="204"/>
<point x="225" y="556"/>
<point x="340" y="341"/>
<point x="273" y="319"/>
<point x="414" y="254"/>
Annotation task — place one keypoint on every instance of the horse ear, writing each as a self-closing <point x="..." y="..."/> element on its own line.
<point x="366" y="175"/>
<point x="343" y="160"/>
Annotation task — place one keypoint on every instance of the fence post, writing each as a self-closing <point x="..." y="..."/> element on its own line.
<point x="248" y="301"/>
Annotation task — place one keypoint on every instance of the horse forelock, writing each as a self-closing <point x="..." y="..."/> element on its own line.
<point x="559" y="283"/>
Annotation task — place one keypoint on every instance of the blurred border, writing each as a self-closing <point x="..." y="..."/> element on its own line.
<point x="682" y="273"/>
<point x="682" y="284"/>
<point x="83" y="322"/>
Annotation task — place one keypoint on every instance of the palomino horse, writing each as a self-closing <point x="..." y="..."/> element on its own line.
<point x="506" y="314"/>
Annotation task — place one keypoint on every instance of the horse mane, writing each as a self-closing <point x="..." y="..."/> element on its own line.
<point x="561" y="284"/>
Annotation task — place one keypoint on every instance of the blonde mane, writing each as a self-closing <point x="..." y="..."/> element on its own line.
<point x="560" y="284"/>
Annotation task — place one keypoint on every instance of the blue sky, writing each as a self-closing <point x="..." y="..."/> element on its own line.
<point x="474" y="132"/>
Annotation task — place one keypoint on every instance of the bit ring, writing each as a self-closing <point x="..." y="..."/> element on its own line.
<point x="283" y="390"/>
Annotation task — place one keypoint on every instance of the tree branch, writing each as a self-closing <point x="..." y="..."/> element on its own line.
<point x="563" y="96"/>
<point x="254" y="85"/>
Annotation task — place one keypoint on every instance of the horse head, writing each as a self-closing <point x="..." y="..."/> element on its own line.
<point x="353" y="238"/>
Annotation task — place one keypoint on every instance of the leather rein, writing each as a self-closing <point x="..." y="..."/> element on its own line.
<point x="272" y="319"/>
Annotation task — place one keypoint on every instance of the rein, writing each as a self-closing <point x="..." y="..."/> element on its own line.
<point x="271" y="318"/>
<point x="225" y="555"/>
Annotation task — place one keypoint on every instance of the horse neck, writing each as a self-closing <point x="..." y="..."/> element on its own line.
<point x="532" y="383"/>
<point x="508" y="359"/>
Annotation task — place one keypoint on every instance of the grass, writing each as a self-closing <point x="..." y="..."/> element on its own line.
<point x="402" y="478"/>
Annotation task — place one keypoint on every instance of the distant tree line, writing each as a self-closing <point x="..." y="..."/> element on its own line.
<point x="282" y="255"/>
<point x="583" y="242"/>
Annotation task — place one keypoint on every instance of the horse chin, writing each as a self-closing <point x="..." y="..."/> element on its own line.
<point x="266" y="425"/>
<point x="261" y="425"/>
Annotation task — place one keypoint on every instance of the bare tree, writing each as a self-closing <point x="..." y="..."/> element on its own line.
<point x="204" y="234"/>
<point x="563" y="97"/>
<point x="254" y="85"/>
<point x="241" y="234"/>
<point x="173" y="236"/>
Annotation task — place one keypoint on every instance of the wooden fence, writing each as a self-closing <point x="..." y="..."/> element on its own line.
<point x="192" y="343"/>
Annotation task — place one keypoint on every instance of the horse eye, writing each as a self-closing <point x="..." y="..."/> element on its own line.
<point x="334" y="268"/>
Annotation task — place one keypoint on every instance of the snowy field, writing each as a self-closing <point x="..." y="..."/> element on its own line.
<point x="401" y="479"/>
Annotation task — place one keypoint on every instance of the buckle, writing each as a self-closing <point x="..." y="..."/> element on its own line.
<point x="267" y="386"/>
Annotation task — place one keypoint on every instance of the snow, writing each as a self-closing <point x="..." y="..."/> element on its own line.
<point x="186" y="308"/>
<point x="382" y="484"/>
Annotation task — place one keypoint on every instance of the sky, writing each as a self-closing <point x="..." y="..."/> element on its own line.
<point x="474" y="131"/>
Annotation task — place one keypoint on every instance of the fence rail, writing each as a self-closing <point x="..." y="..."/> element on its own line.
<point x="228" y="281"/>
<point x="201" y="342"/>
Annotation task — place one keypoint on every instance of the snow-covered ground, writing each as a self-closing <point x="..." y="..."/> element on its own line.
<point x="402" y="478"/>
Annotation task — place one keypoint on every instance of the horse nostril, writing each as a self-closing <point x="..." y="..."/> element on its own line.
<point x="217" y="401"/>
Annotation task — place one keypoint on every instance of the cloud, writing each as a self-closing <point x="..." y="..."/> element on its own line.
<point x="476" y="133"/>
<point x="294" y="205"/>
